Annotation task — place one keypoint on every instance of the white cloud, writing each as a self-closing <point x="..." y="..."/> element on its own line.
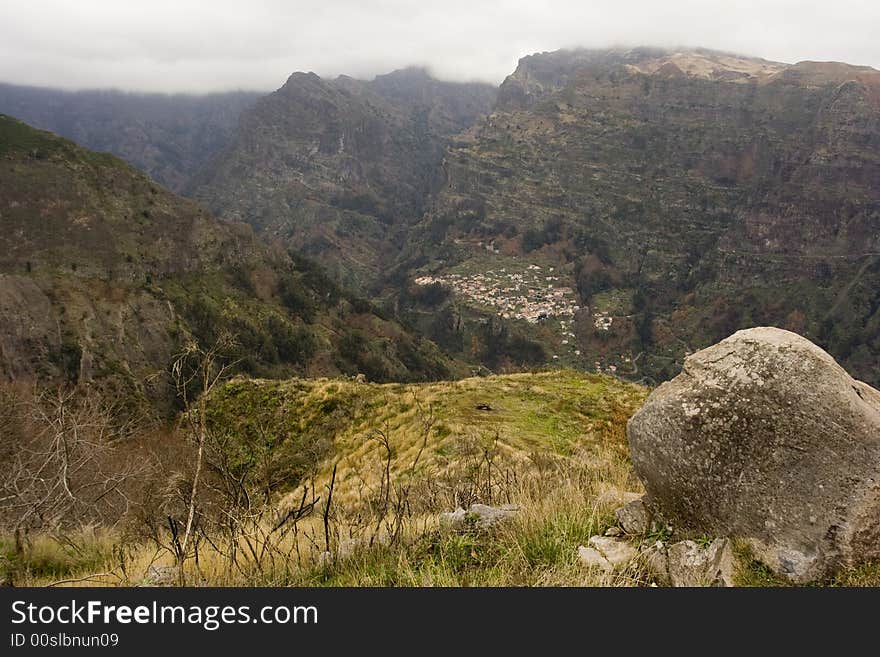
<point x="190" y="45"/>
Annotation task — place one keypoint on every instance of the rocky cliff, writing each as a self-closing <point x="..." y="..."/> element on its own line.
<point x="339" y="168"/>
<point x="682" y="194"/>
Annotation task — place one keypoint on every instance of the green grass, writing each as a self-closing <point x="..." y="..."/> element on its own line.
<point x="46" y="557"/>
<point x="19" y="138"/>
<point x="753" y="573"/>
<point x="548" y="413"/>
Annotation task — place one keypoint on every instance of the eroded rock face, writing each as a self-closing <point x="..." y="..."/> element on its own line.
<point x="763" y="436"/>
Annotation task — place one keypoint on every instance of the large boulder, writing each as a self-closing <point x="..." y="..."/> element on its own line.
<point x="764" y="437"/>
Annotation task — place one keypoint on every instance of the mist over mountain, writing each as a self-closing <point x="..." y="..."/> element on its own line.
<point x="167" y="136"/>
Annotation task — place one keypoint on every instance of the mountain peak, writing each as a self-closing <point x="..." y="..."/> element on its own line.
<point x="407" y="73"/>
<point x="709" y="65"/>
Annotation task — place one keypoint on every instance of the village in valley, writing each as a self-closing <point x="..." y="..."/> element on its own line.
<point x="531" y="293"/>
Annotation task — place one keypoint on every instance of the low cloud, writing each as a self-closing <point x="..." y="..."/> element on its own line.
<point x="186" y="45"/>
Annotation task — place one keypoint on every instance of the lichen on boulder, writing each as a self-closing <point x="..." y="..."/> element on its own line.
<point x="764" y="437"/>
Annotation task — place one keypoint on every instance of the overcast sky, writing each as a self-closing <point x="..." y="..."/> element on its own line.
<point x="189" y="45"/>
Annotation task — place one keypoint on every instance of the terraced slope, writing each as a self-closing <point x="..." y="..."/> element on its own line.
<point x="683" y="194"/>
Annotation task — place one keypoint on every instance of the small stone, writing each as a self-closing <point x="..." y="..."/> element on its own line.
<point x="617" y="551"/>
<point x="453" y="519"/>
<point x="614" y="531"/>
<point x="592" y="558"/>
<point x="634" y="517"/>
<point x="616" y="497"/>
<point x="348" y="546"/>
<point x="691" y="564"/>
<point x="478" y="516"/>
<point x="655" y="563"/>
<point x="162" y="576"/>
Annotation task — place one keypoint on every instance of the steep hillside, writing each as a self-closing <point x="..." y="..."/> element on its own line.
<point x="104" y="276"/>
<point x="339" y="168"/>
<point x="679" y="195"/>
<point x="167" y="136"/>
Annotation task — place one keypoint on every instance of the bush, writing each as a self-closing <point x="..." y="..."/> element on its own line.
<point x="295" y="299"/>
<point x="293" y="345"/>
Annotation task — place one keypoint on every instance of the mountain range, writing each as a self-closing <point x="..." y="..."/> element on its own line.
<point x="166" y="136"/>
<point x="610" y="210"/>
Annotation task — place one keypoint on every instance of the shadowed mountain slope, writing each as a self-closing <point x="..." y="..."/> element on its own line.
<point x="104" y="276"/>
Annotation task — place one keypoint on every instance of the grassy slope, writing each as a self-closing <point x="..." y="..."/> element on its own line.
<point x="557" y="414"/>
<point x="556" y="441"/>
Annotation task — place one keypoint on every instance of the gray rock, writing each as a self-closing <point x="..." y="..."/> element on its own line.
<point x="592" y="558"/>
<point x="617" y="551"/>
<point x="162" y="576"/>
<point x="634" y="517"/>
<point x="615" y="497"/>
<point x="453" y="518"/>
<point x="478" y="516"/>
<point x="691" y="564"/>
<point x="349" y="546"/>
<point x="764" y="437"/>
<point x="654" y="561"/>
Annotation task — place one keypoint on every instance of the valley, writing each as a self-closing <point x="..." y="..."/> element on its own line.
<point x="678" y="195"/>
<point x="294" y="338"/>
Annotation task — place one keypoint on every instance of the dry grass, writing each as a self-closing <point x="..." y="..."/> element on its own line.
<point x="562" y="505"/>
<point x="531" y="418"/>
<point x="552" y="443"/>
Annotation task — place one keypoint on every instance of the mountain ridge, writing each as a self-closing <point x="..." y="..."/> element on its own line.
<point x="339" y="167"/>
<point x="659" y="194"/>
<point x="672" y="194"/>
